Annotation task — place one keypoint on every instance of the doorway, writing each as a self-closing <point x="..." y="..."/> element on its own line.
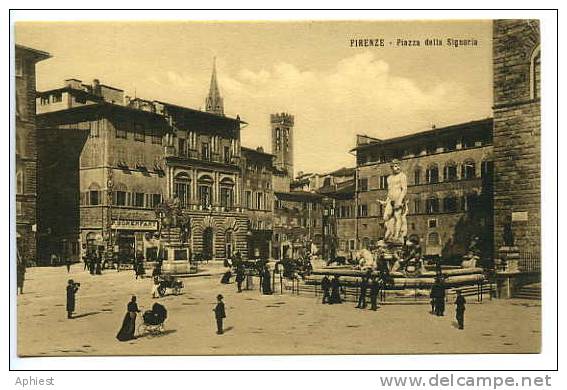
<point x="208" y="244"/>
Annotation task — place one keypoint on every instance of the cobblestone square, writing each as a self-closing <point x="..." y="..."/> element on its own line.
<point x="255" y="324"/>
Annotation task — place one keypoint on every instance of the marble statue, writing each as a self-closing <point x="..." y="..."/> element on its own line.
<point x="395" y="205"/>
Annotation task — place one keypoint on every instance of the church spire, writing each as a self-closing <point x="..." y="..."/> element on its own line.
<point x="214" y="103"/>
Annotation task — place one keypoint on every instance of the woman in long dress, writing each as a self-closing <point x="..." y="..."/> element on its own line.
<point x="128" y="328"/>
<point x="266" y="281"/>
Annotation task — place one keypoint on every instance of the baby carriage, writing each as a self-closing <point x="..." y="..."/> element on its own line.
<point x="153" y="320"/>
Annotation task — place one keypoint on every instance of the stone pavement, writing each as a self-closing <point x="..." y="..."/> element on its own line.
<point x="256" y="324"/>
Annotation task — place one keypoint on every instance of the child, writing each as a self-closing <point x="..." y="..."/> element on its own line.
<point x="460" y="302"/>
<point x="155" y="292"/>
<point x="219" y="313"/>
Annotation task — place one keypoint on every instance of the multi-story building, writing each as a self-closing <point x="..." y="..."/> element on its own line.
<point x="517" y="132"/>
<point x="298" y="224"/>
<point x="258" y="199"/>
<point x="139" y="153"/>
<point x="317" y="181"/>
<point x="449" y="188"/>
<point x="26" y="151"/>
<point x="108" y="165"/>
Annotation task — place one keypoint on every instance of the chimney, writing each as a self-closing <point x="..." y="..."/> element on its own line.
<point x="73" y="83"/>
<point x="96" y="87"/>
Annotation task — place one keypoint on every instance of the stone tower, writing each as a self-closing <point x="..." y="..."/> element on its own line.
<point x="282" y="141"/>
<point x="213" y="102"/>
<point x="517" y="129"/>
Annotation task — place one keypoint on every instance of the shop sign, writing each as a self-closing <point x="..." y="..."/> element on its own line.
<point x="131" y="224"/>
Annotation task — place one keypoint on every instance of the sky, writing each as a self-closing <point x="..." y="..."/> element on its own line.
<point x="308" y="69"/>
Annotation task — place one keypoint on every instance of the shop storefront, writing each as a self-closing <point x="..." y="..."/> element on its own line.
<point x="132" y="237"/>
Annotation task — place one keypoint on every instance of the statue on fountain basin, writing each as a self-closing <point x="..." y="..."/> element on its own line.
<point x="396" y="205"/>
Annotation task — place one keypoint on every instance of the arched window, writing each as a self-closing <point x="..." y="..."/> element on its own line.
<point x="468" y="170"/>
<point x="205" y="188"/>
<point x="432" y="205"/>
<point x="535" y="73"/>
<point x="486" y="169"/>
<point x="417" y="206"/>
<point x="450" y="204"/>
<point x="417" y="176"/>
<point x="94" y="194"/>
<point x="227" y="193"/>
<point x="182" y="188"/>
<point x="450" y="171"/>
<point x="119" y="197"/>
<point x="432" y="174"/>
<point x="278" y="139"/>
<point x="19" y="145"/>
<point x="19" y="181"/>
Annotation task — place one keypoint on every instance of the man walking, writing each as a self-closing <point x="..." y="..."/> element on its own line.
<point x="72" y="289"/>
<point x="363" y="288"/>
<point x="336" y="290"/>
<point x="326" y="286"/>
<point x="239" y="276"/>
<point x="68" y="264"/>
<point x="374" y="291"/>
<point x="440" y="311"/>
<point x="219" y="313"/>
<point x="460" y="311"/>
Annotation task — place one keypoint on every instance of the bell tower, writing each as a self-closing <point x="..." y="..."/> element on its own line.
<point x="282" y="141"/>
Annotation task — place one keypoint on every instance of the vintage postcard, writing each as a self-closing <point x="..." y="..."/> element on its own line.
<point x="277" y="188"/>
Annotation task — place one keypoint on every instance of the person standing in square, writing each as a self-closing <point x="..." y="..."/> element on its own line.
<point x="460" y="311"/>
<point x="219" y="313"/>
<point x="326" y="286"/>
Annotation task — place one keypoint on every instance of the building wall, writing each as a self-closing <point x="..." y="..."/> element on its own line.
<point x="446" y="231"/>
<point x="297" y="223"/>
<point x="26" y="154"/>
<point x="517" y="132"/>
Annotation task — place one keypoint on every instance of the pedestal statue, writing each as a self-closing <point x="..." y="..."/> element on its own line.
<point x="395" y="205"/>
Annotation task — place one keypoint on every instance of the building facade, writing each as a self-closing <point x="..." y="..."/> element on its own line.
<point x="138" y="154"/>
<point x="121" y="173"/>
<point x="449" y="189"/>
<point x="517" y="132"/>
<point x="298" y="224"/>
<point x="258" y="200"/>
<point x="26" y="151"/>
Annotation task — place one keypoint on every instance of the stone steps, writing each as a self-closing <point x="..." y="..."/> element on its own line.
<point x="531" y="291"/>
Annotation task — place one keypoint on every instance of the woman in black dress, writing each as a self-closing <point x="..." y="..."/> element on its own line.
<point x="128" y="328"/>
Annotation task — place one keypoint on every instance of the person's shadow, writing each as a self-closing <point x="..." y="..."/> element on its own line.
<point x="228" y="329"/>
<point x="91" y="313"/>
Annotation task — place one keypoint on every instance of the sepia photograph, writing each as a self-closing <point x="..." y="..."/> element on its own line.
<point x="301" y="187"/>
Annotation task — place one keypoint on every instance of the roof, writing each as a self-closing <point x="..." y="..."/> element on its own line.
<point x="426" y="133"/>
<point x="71" y="90"/>
<point x="252" y="150"/>
<point x="299" y="182"/>
<point x="96" y="108"/>
<point x="37" y="54"/>
<point x="343" y="172"/>
<point x="205" y="113"/>
<point x="298" y="195"/>
<point x="340" y="190"/>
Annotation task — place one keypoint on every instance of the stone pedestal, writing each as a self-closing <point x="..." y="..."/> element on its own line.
<point x="176" y="260"/>
<point x="507" y="271"/>
<point x="509" y="257"/>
